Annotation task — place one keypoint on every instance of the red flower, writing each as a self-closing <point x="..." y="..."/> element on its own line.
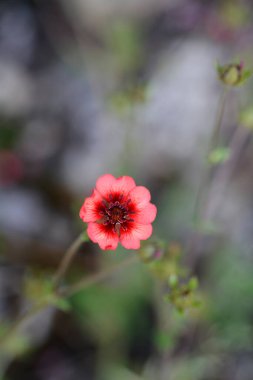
<point x="118" y="211"/>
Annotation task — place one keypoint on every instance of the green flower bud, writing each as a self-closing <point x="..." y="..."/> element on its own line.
<point x="151" y="252"/>
<point x="233" y="74"/>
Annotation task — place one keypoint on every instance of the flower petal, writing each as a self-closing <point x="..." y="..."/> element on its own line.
<point x="146" y="215"/>
<point x="123" y="185"/>
<point x="131" y="239"/>
<point x="90" y="209"/>
<point x="105" y="239"/>
<point x="140" y="196"/>
<point x="104" y="184"/>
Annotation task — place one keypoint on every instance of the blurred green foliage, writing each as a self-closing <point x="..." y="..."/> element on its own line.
<point x="124" y="101"/>
<point x="219" y="155"/>
<point x="12" y="345"/>
<point x="234" y="14"/>
<point x="39" y="289"/>
<point x="230" y="300"/>
<point x="246" y="117"/>
<point x="193" y="367"/>
<point x="112" y="312"/>
<point x="125" y="44"/>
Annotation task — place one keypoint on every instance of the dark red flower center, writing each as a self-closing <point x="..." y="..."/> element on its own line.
<point x="117" y="214"/>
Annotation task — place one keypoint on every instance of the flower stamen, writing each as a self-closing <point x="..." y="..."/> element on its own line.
<point x="116" y="213"/>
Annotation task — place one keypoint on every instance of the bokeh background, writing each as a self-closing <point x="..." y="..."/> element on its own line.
<point x="89" y="87"/>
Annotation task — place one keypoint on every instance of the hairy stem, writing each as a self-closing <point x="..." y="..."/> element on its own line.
<point x="97" y="277"/>
<point x="67" y="259"/>
<point x="213" y="143"/>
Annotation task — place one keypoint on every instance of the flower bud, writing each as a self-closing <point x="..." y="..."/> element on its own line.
<point x="233" y="74"/>
<point x="150" y="252"/>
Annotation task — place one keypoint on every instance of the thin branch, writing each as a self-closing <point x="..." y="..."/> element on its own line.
<point x="97" y="277"/>
<point x="213" y="143"/>
<point x="67" y="259"/>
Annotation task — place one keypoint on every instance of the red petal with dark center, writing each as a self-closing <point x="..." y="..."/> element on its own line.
<point x="103" y="236"/>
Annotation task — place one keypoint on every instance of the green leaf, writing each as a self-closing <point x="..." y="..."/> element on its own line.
<point x="61" y="303"/>
<point x="245" y="75"/>
<point x="38" y="286"/>
<point x="219" y="155"/>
